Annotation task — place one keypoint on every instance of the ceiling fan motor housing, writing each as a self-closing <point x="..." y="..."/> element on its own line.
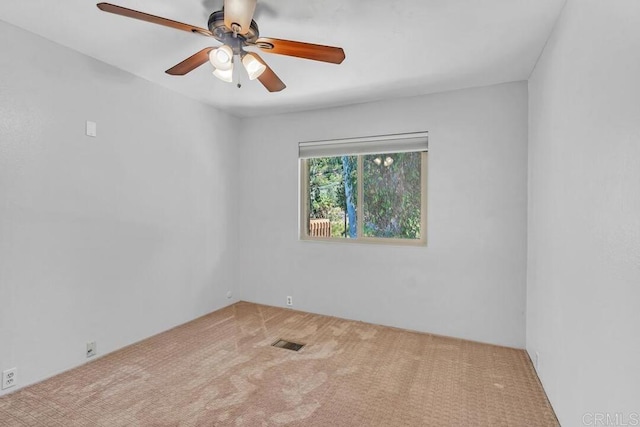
<point x="224" y="34"/>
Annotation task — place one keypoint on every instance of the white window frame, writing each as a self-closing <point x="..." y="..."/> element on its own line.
<point x="398" y="143"/>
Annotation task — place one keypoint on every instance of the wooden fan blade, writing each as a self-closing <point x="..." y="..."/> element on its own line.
<point x="268" y="78"/>
<point x="130" y="13"/>
<point x="238" y="14"/>
<point x="191" y="63"/>
<point x="317" y="52"/>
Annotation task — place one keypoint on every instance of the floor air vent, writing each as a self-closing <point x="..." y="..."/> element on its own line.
<point x="288" y="345"/>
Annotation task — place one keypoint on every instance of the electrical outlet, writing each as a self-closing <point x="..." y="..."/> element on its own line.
<point x="537" y="361"/>
<point x="9" y="378"/>
<point x="91" y="348"/>
<point x="229" y="294"/>
<point x="289" y="300"/>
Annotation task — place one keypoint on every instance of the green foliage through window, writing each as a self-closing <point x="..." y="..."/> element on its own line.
<point x="392" y="188"/>
<point x="327" y="193"/>
<point x="391" y="199"/>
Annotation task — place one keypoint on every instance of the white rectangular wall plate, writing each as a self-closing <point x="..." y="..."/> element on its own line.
<point x="9" y="378"/>
<point x="91" y="348"/>
<point x="92" y="128"/>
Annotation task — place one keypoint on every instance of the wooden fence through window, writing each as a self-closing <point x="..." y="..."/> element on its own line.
<point x="319" y="228"/>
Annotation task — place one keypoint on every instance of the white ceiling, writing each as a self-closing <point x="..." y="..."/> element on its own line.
<point x="393" y="47"/>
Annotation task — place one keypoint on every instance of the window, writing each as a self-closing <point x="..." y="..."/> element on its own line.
<point x="365" y="189"/>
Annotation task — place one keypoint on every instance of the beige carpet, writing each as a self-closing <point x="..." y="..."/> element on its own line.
<point x="220" y="370"/>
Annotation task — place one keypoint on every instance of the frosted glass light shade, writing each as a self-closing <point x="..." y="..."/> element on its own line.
<point x="224" y="75"/>
<point x="221" y="58"/>
<point x="254" y="67"/>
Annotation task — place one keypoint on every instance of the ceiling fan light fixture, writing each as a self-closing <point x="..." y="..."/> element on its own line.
<point x="224" y="75"/>
<point x="221" y="58"/>
<point x="233" y="26"/>
<point x="254" y="67"/>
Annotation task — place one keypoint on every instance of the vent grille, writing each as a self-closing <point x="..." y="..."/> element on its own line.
<point x="287" y="345"/>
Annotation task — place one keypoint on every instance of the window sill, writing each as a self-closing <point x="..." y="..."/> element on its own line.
<point x="367" y="241"/>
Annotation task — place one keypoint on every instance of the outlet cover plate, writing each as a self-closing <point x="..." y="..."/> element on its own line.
<point x="91" y="348"/>
<point x="9" y="378"/>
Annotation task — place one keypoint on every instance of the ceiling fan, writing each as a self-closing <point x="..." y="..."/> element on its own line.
<point x="234" y="27"/>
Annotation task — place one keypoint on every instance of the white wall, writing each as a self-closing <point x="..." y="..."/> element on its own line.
<point x="113" y="238"/>
<point x="583" y="290"/>
<point x="468" y="282"/>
